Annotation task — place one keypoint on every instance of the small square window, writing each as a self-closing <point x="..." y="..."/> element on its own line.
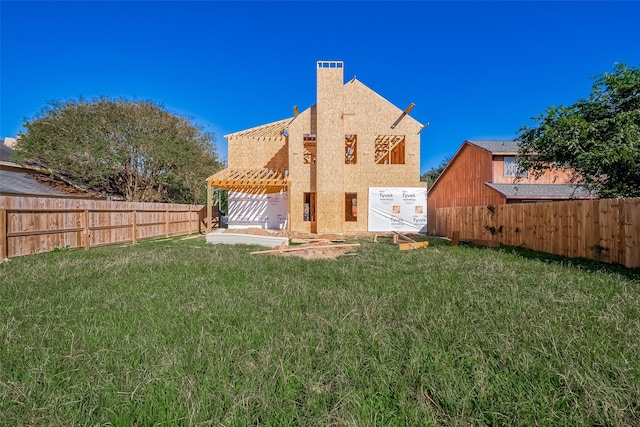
<point x="389" y="149"/>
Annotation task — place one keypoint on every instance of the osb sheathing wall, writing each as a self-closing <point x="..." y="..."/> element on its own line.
<point x="342" y="109"/>
<point x="263" y="147"/>
<point x="303" y="176"/>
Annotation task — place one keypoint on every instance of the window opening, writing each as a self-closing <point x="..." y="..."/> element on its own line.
<point x="350" y="207"/>
<point x="350" y="149"/>
<point x="332" y="64"/>
<point x="309" y="207"/>
<point x="389" y="149"/>
<point x="309" y="145"/>
<point x="512" y="168"/>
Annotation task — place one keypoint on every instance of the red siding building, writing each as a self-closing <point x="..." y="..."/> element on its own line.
<point x="486" y="173"/>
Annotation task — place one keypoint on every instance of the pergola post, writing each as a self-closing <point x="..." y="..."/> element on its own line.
<point x="207" y="216"/>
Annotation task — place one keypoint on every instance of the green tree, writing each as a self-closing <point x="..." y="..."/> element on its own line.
<point x="598" y="137"/>
<point x="432" y="174"/>
<point x="131" y="149"/>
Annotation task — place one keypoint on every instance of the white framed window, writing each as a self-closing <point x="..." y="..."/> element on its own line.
<point x="511" y="167"/>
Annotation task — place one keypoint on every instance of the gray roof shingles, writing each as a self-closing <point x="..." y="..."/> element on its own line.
<point x="23" y="183"/>
<point x="549" y="191"/>
<point x="503" y="146"/>
<point x="6" y="153"/>
<point x="15" y="179"/>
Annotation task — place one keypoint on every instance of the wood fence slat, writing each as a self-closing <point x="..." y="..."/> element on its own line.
<point x="630" y="235"/>
<point x="572" y="230"/>
<point x="134" y="227"/>
<point x="608" y="230"/>
<point x="3" y="235"/>
<point x="39" y="224"/>
<point x="85" y="232"/>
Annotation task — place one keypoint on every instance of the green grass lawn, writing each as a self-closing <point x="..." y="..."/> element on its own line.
<point x="178" y="332"/>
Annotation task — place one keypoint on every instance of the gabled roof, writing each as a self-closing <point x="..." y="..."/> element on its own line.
<point x="496" y="146"/>
<point x="277" y="129"/>
<point x="541" y="191"/>
<point x="403" y="114"/>
<point x="493" y="146"/>
<point x="269" y="130"/>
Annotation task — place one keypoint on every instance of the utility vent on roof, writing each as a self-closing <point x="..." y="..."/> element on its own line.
<point x="330" y="64"/>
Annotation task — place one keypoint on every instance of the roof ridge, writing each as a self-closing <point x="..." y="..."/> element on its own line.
<point x="264" y="126"/>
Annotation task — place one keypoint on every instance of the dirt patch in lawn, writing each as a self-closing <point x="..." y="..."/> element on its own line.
<point x="305" y="245"/>
<point x="320" y="251"/>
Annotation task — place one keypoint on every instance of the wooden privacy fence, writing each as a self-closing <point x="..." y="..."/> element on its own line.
<point x="31" y="225"/>
<point x="607" y="230"/>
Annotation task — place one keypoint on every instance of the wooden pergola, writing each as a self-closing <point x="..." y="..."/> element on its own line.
<point x="262" y="181"/>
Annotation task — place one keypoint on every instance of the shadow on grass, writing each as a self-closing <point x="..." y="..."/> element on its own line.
<point x="584" y="264"/>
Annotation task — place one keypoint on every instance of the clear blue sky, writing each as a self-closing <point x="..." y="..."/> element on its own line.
<point x="474" y="69"/>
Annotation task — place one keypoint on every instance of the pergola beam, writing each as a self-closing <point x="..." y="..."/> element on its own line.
<point x="264" y="180"/>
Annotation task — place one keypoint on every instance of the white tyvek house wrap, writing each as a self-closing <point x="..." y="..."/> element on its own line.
<point x="398" y="209"/>
<point x="258" y="210"/>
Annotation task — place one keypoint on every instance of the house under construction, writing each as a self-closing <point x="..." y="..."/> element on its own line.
<point x="351" y="162"/>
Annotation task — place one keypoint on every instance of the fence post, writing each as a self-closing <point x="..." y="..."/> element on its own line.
<point x="622" y="235"/>
<point x="166" y="222"/>
<point x="455" y="238"/>
<point x="85" y="233"/>
<point x="4" y="250"/>
<point x="190" y="219"/>
<point x="134" y="227"/>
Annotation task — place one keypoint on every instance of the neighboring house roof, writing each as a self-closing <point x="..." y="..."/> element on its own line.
<point x="505" y="147"/>
<point x="513" y="191"/>
<point x="17" y="179"/>
<point x="493" y="146"/>
<point x="13" y="182"/>
<point x="6" y="153"/>
<point x="269" y="130"/>
<point x="540" y="191"/>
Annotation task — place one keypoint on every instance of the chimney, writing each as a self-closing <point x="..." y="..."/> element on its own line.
<point x="329" y="145"/>
<point x="10" y="142"/>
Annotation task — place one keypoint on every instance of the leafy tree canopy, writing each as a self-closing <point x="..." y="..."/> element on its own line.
<point x="132" y="149"/>
<point x="599" y="137"/>
<point x="432" y="174"/>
